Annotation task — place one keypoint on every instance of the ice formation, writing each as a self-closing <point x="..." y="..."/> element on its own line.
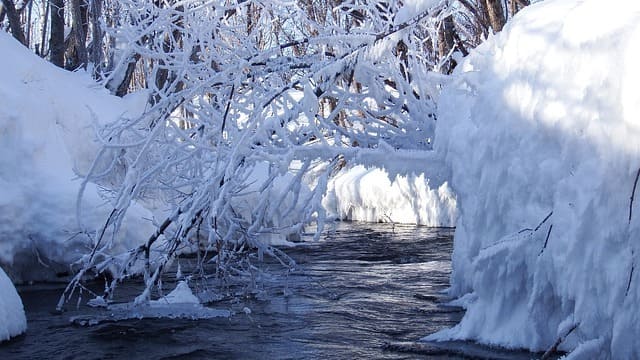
<point x="540" y="125"/>
<point x="179" y="303"/>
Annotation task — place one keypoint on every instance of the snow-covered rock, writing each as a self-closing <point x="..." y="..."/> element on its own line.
<point x="47" y="130"/>
<point x="368" y="194"/>
<point x="540" y="126"/>
<point x="12" y="318"/>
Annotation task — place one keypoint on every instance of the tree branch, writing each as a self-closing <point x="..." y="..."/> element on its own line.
<point x="547" y="355"/>
<point x="546" y="240"/>
<point x="630" y="273"/>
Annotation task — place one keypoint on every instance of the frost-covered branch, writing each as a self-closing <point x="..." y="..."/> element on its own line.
<point x="252" y="107"/>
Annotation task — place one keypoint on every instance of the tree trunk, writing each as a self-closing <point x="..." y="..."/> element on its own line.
<point x="14" y="21"/>
<point x="56" y="40"/>
<point x="123" y="88"/>
<point x="446" y="42"/>
<point x="517" y="5"/>
<point x="165" y="77"/>
<point x="78" y="56"/>
<point x="2" y="13"/>
<point x="496" y="14"/>
<point x="96" y="42"/>
<point x="44" y="19"/>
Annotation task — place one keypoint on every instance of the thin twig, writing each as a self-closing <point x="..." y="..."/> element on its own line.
<point x="633" y="193"/>
<point x="546" y="240"/>
<point x="630" y="274"/>
<point x="539" y="225"/>
<point x="543" y="221"/>
<point x="226" y="110"/>
<point x="554" y="348"/>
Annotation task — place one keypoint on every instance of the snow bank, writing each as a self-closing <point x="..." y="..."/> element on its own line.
<point x="541" y="126"/>
<point x="12" y="318"/>
<point x="362" y="194"/>
<point x="47" y="119"/>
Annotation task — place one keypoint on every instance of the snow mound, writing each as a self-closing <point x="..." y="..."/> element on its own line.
<point x="368" y="194"/>
<point x="47" y="122"/>
<point x="12" y="318"/>
<point x="540" y="125"/>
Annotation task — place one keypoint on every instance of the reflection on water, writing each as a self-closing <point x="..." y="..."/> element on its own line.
<point x="365" y="291"/>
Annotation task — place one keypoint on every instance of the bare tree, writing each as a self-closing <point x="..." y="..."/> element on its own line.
<point x="56" y="38"/>
<point x="447" y="43"/>
<point x="3" y="13"/>
<point x="97" y="40"/>
<point x="14" y="21"/>
<point x="517" y="5"/>
<point x="76" y="49"/>
<point x="495" y="13"/>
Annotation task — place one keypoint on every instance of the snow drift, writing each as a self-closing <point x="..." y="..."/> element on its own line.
<point x="12" y="318"/>
<point x="47" y="122"/>
<point x="368" y="194"/>
<point x="540" y="125"/>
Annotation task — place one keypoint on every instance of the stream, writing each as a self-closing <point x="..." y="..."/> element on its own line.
<point x="365" y="291"/>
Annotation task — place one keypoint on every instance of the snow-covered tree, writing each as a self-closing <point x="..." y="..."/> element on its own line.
<point x="252" y="106"/>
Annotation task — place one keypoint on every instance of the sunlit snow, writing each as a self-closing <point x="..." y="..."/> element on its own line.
<point x="536" y="163"/>
<point x="44" y="137"/>
<point x="540" y="127"/>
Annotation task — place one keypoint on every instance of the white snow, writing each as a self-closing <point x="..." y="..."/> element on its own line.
<point x="412" y="8"/>
<point x="47" y="119"/>
<point x="369" y="194"/>
<point x="542" y="119"/>
<point x="12" y="318"/>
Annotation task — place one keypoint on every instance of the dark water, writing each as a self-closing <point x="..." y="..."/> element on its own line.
<point x="366" y="291"/>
